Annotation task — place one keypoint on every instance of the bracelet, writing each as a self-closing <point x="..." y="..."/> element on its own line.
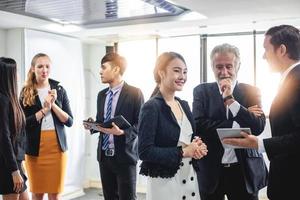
<point x="181" y="151"/>
<point x="228" y="97"/>
<point x="43" y="113"/>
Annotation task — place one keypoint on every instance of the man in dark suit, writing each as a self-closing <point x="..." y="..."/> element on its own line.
<point x="282" y="52"/>
<point x="236" y="173"/>
<point x="117" y="148"/>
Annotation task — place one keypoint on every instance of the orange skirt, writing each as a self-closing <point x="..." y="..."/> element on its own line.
<point x="46" y="172"/>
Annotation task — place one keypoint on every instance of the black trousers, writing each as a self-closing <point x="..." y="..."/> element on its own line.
<point x="232" y="185"/>
<point x="118" y="180"/>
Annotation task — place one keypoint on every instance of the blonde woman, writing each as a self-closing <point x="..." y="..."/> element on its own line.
<point x="47" y="110"/>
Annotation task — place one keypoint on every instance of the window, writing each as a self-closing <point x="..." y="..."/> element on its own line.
<point x="140" y="56"/>
<point x="267" y="81"/>
<point x="245" y="44"/>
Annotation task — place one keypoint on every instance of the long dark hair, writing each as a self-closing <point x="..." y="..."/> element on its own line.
<point x="161" y="64"/>
<point x="8" y="87"/>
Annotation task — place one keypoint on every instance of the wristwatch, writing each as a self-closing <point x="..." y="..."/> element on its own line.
<point x="228" y="97"/>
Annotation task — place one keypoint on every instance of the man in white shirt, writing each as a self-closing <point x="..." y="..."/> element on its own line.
<point x="282" y="52"/>
<point x="226" y="103"/>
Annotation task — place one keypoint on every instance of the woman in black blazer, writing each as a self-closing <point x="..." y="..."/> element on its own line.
<point x="12" y="133"/>
<point x="165" y="133"/>
<point x="47" y="110"/>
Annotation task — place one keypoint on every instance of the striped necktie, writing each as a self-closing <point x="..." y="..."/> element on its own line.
<point x="105" y="137"/>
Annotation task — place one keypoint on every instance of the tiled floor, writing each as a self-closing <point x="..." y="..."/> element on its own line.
<point x="96" y="194"/>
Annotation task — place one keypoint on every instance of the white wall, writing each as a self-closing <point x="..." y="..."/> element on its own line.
<point x="92" y="55"/>
<point x="2" y="42"/>
<point x="12" y="45"/>
<point x="15" y="49"/>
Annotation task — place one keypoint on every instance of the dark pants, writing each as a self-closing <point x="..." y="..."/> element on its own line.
<point x="232" y="185"/>
<point x="118" y="180"/>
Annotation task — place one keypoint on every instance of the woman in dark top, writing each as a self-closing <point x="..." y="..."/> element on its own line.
<point x="12" y="134"/>
<point x="166" y="131"/>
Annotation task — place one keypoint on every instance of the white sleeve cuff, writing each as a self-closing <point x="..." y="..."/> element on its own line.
<point x="261" y="146"/>
<point x="234" y="108"/>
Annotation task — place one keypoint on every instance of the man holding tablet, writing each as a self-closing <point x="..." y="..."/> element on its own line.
<point x="236" y="173"/>
<point x="282" y="52"/>
<point x="117" y="147"/>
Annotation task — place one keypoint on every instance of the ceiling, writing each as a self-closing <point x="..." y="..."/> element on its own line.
<point x="93" y="20"/>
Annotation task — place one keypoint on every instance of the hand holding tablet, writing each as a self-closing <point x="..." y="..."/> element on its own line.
<point x="119" y="120"/>
<point x="232" y="133"/>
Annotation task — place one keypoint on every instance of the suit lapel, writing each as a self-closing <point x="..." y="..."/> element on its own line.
<point x="122" y="97"/>
<point x="38" y="102"/>
<point x="216" y="96"/>
<point x="238" y="93"/>
<point x="188" y="113"/>
<point x="101" y="105"/>
<point x="284" y="92"/>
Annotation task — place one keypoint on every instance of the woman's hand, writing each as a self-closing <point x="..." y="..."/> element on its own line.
<point x="48" y="103"/>
<point x="201" y="150"/>
<point x="18" y="181"/>
<point x="53" y="94"/>
<point x="196" y="149"/>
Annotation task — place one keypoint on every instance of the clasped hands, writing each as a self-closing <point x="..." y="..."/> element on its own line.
<point x="196" y="149"/>
<point x="49" y="100"/>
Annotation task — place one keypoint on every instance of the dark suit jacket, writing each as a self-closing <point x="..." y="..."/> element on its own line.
<point x="128" y="105"/>
<point x="210" y="113"/>
<point x="158" y="138"/>
<point x="33" y="127"/>
<point x="11" y="148"/>
<point x="283" y="149"/>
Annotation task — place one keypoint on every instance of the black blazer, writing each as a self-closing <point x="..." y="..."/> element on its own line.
<point x="128" y="105"/>
<point x="210" y="113"/>
<point x="158" y="138"/>
<point x="33" y="127"/>
<point x="283" y="149"/>
<point x="11" y="149"/>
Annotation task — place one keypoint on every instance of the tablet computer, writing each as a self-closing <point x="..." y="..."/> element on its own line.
<point x="231" y="132"/>
<point x="119" y="120"/>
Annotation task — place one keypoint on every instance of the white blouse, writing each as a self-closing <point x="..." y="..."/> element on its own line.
<point x="47" y="121"/>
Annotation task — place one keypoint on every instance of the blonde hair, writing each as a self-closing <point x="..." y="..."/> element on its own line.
<point x="29" y="91"/>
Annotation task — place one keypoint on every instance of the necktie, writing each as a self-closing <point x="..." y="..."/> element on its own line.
<point x="105" y="137"/>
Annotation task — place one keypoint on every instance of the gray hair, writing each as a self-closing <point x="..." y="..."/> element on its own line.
<point x="226" y="48"/>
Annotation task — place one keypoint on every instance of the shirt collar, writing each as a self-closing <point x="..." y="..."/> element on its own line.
<point x="287" y="71"/>
<point x="116" y="89"/>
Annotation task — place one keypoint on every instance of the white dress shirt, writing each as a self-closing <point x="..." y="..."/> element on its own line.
<point x="229" y="155"/>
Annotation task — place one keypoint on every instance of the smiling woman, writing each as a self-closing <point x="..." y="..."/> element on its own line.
<point x="165" y="146"/>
